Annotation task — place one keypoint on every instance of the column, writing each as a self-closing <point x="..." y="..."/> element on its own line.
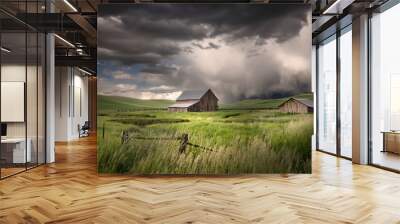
<point x="360" y="90"/>
<point x="50" y="92"/>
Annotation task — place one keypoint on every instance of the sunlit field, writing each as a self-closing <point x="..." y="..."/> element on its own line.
<point x="250" y="136"/>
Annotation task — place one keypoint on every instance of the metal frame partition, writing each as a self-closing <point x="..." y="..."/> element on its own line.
<point x="338" y="98"/>
<point x="337" y="31"/>
<point x="318" y="87"/>
<point x="369" y="106"/>
<point x="39" y="119"/>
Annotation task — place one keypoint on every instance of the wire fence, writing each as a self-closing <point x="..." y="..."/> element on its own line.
<point x="127" y="137"/>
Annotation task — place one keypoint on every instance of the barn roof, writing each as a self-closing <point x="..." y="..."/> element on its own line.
<point x="306" y="102"/>
<point x="184" y="104"/>
<point x="192" y="94"/>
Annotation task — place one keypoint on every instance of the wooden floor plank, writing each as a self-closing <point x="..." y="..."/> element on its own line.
<point x="71" y="191"/>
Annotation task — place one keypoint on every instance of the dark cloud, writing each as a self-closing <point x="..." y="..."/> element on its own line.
<point x="159" y="69"/>
<point x="210" y="45"/>
<point x="126" y="59"/>
<point x="159" y="28"/>
<point x="197" y="21"/>
<point x="161" y="39"/>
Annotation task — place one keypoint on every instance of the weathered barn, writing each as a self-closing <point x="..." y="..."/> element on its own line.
<point x="195" y="101"/>
<point x="295" y="105"/>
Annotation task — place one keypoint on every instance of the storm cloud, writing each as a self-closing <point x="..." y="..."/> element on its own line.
<point x="152" y="51"/>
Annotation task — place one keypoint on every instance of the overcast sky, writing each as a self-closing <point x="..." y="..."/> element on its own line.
<point x="155" y="51"/>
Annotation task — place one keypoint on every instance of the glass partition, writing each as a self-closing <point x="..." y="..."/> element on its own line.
<point x="22" y="101"/>
<point x="13" y="94"/>
<point x="327" y="95"/>
<point x="314" y="90"/>
<point x="385" y="89"/>
<point x="346" y="92"/>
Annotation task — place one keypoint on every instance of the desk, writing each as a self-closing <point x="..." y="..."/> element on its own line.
<point x="13" y="150"/>
<point x="391" y="141"/>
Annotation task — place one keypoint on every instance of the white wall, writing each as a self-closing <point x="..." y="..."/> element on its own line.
<point x="14" y="73"/>
<point x="71" y="87"/>
<point x="62" y="82"/>
<point x="33" y="126"/>
<point x="80" y="110"/>
<point x="17" y="73"/>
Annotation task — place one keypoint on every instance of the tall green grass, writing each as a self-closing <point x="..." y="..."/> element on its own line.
<point x="262" y="141"/>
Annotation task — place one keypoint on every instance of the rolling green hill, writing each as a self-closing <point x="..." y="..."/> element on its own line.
<point x="304" y="96"/>
<point x="253" y="104"/>
<point x="118" y="103"/>
<point x="262" y="103"/>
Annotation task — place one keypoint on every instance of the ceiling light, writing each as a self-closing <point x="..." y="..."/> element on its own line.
<point x="326" y="11"/>
<point x="79" y="51"/>
<point x="5" y="50"/>
<point x="70" y="5"/>
<point x="84" y="71"/>
<point x="338" y="6"/>
<point x="64" y="40"/>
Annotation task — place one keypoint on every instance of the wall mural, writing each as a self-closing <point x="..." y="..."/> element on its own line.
<point x="209" y="89"/>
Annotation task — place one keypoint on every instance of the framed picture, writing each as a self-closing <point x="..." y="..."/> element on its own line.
<point x="204" y="89"/>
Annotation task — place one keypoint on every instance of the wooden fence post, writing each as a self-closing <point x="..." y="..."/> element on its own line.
<point x="124" y="137"/>
<point x="104" y="124"/>
<point x="184" y="142"/>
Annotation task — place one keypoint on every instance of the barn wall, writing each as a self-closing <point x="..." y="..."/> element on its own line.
<point x="292" y="106"/>
<point x="208" y="102"/>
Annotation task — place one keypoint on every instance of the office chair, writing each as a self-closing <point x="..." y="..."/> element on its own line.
<point x="84" y="130"/>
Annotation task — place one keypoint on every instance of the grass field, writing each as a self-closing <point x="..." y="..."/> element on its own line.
<point x="249" y="136"/>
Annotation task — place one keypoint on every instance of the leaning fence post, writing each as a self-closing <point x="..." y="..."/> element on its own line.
<point x="184" y="142"/>
<point x="124" y="137"/>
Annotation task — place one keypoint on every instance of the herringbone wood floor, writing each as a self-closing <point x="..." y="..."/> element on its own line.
<point x="70" y="191"/>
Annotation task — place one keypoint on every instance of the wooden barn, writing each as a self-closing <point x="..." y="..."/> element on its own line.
<point x="299" y="106"/>
<point x="195" y="101"/>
